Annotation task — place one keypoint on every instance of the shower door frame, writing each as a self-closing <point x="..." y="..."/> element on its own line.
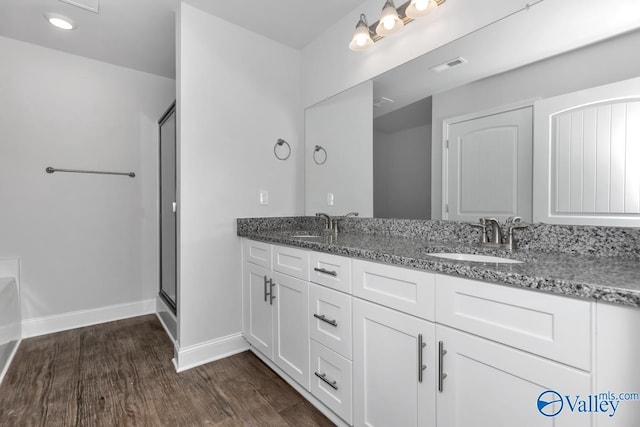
<point x="173" y="305"/>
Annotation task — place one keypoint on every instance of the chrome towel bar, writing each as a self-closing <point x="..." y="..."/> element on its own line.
<point x="52" y="170"/>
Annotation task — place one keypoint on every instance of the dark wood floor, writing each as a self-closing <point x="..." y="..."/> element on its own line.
<point x="120" y="373"/>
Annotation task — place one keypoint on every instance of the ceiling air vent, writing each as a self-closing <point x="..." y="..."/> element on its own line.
<point x="92" y="5"/>
<point x="379" y="101"/>
<point x="449" y="64"/>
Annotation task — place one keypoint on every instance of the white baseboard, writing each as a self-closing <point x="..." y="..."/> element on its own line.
<point x="78" y="319"/>
<point x="199" y="354"/>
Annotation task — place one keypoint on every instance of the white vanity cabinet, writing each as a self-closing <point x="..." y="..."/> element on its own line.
<point x="383" y="345"/>
<point x="502" y="347"/>
<point x="276" y="320"/>
<point x="393" y="346"/>
<point x="330" y="314"/>
<point x="394" y="367"/>
<point x="491" y="384"/>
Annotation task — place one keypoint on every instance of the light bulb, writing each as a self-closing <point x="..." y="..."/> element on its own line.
<point x="422" y="4"/>
<point x="388" y="22"/>
<point x="419" y="8"/>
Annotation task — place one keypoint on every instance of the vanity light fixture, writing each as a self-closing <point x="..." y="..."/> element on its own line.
<point x="418" y="8"/>
<point x="60" y="21"/>
<point x="391" y="21"/>
<point x="362" y="37"/>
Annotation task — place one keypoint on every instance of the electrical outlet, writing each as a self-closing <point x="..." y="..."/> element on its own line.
<point x="264" y="197"/>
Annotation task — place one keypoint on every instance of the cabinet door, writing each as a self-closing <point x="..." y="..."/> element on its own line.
<point x="489" y="384"/>
<point x="291" y="327"/>
<point x="386" y="356"/>
<point x="258" y="317"/>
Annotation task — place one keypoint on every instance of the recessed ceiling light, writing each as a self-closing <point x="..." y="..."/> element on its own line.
<point x="59" y="21"/>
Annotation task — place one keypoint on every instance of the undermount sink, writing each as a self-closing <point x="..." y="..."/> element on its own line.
<point x="475" y="258"/>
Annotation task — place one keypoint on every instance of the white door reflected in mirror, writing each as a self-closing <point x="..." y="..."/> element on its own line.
<point x="488" y="167"/>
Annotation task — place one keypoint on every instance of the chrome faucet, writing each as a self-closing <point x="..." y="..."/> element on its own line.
<point x="496" y="231"/>
<point x="498" y="240"/>
<point x="338" y="219"/>
<point x="514" y="222"/>
<point x="328" y="220"/>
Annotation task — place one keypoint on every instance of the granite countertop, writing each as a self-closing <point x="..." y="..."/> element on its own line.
<point x="610" y="279"/>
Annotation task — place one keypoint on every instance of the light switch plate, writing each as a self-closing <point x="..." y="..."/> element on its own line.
<point x="264" y="197"/>
<point x="330" y="199"/>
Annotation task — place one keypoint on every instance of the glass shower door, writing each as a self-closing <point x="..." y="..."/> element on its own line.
<point x="168" y="236"/>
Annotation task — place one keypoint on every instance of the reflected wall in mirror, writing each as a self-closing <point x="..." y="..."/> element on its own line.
<point x="343" y="179"/>
<point x="471" y="89"/>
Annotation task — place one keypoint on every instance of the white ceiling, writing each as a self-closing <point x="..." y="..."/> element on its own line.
<point x="291" y="22"/>
<point x="140" y="34"/>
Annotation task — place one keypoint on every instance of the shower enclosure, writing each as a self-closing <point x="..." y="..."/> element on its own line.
<point x="168" y="236"/>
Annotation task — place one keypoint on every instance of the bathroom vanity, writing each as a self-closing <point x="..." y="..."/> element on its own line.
<point x="375" y="331"/>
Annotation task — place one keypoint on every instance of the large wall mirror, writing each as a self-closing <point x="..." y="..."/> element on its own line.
<point x="483" y="86"/>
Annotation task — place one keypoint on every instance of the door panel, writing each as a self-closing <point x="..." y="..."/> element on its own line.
<point x="489" y="384"/>
<point x="387" y="391"/>
<point x="258" y="322"/>
<point x="489" y="167"/>
<point x="291" y="304"/>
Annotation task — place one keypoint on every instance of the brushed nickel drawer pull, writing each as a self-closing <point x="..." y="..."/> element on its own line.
<point x="265" y="289"/>
<point x="441" y="374"/>
<point x="324" y="319"/>
<point x="331" y="384"/>
<point x="421" y="365"/>
<point x="325" y="271"/>
<point x="271" y="295"/>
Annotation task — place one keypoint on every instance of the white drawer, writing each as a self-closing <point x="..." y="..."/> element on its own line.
<point x="331" y="270"/>
<point x="331" y="381"/>
<point x="258" y="253"/>
<point x="403" y="289"/>
<point x="330" y="319"/>
<point x="291" y="261"/>
<point x="551" y="326"/>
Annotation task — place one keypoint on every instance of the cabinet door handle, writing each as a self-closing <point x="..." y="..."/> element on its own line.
<point x="271" y="295"/>
<point x="323" y="377"/>
<point x="325" y="271"/>
<point x="421" y="365"/>
<point x="441" y="374"/>
<point x="265" y="289"/>
<point x="324" y="319"/>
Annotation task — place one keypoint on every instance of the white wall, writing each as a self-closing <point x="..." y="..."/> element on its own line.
<point x="238" y="93"/>
<point x="85" y="241"/>
<point x="402" y="173"/>
<point x="606" y="62"/>
<point x="330" y="67"/>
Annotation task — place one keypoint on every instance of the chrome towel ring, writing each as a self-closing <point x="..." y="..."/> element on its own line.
<point x="319" y="159"/>
<point x="287" y="152"/>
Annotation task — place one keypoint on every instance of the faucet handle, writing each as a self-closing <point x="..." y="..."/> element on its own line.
<point x="513" y="219"/>
<point x="481" y="224"/>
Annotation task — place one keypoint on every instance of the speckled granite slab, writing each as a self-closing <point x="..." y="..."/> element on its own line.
<point x="598" y="263"/>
